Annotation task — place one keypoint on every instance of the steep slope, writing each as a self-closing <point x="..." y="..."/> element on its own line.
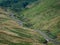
<point x="12" y="33"/>
<point x="44" y="16"/>
<point x="41" y="16"/>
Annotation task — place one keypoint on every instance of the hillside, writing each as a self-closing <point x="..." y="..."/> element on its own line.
<point x="29" y="22"/>
<point x="12" y="33"/>
<point x="44" y="16"/>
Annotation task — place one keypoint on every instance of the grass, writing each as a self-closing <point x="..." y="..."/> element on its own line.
<point x="12" y="33"/>
<point x="43" y="16"/>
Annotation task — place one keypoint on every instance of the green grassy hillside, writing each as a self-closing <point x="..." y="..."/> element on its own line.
<point x="39" y="15"/>
<point x="44" y="16"/>
<point x="12" y="33"/>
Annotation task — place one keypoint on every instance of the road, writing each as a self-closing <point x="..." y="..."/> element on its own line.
<point x="39" y="31"/>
